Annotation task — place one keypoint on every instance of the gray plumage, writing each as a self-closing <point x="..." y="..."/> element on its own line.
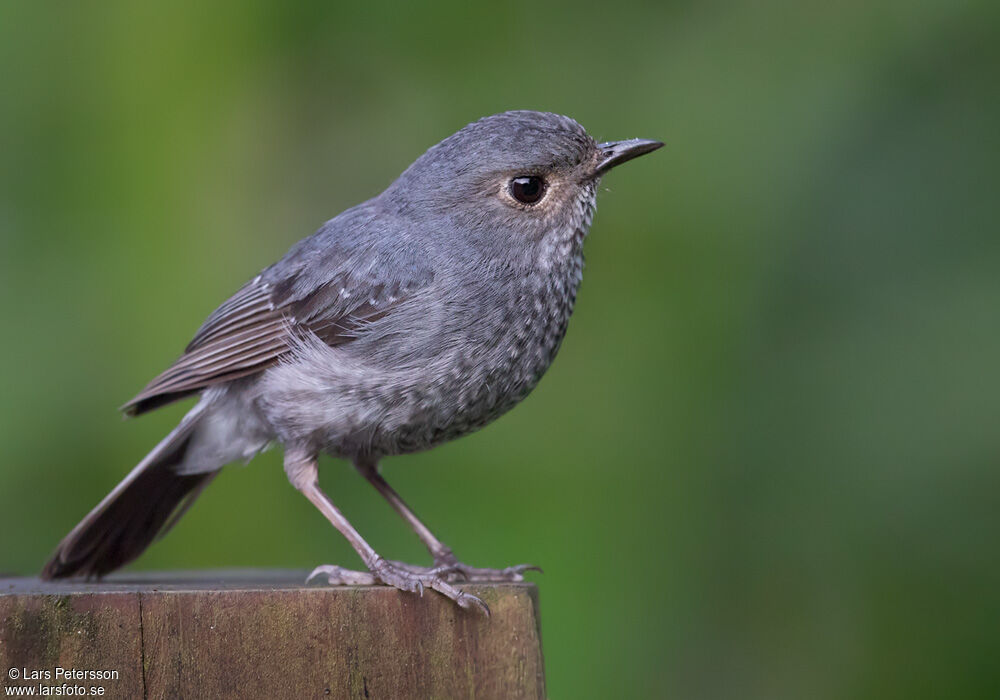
<point x="408" y="320"/>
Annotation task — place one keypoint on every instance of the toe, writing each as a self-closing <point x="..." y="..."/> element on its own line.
<point x="339" y="576"/>
<point x="511" y="573"/>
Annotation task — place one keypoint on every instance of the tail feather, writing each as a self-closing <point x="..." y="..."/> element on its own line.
<point x="143" y="506"/>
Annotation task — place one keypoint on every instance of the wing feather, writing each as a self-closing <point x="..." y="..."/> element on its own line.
<point x="253" y="329"/>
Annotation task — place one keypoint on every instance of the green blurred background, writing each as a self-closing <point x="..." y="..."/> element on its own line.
<point x="764" y="464"/>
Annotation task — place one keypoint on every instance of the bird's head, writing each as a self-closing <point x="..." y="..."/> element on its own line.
<point x="521" y="180"/>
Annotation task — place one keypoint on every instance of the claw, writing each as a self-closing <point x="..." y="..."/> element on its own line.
<point x="484" y="608"/>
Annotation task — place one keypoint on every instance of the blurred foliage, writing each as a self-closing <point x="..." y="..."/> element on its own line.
<point x="764" y="464"/>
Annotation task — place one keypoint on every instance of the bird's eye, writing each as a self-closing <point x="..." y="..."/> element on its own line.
<point x="528" y="189"/>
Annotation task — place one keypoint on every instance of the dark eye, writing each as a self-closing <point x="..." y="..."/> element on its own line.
<point x="528" y="189"/>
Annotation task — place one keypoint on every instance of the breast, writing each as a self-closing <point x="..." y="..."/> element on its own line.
<point x="494" y="360"/>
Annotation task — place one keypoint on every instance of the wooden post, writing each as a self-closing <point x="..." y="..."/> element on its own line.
<point x="265" y="634"/>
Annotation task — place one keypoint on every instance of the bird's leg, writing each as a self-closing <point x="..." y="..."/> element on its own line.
<point x="302" y="472"/>
<point x="445" y="561"/>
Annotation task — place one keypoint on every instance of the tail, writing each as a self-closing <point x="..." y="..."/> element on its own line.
<point x="144" y="505"/>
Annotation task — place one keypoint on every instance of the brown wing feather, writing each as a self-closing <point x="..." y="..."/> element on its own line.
<point x="250" y="332"/>
<point x="244" y="310"/>
<point x="243" y="336"/>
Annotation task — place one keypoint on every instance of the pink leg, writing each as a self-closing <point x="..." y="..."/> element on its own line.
<point x="302" y="472"/>
<point x="444" y="560"/>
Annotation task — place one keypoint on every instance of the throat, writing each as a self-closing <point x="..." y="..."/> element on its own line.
<point x="563" y="246"/>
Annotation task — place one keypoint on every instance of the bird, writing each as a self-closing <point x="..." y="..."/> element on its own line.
<point x="406" y="321"/>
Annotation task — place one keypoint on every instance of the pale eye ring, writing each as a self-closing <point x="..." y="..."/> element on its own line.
<point x="527" y="189"/>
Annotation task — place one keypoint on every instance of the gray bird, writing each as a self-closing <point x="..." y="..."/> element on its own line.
<point x="408" y="320"/>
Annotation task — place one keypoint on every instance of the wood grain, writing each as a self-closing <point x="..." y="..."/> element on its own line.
<point x="264" y="634"/>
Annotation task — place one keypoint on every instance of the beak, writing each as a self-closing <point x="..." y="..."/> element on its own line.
<point x="617" y="152"/>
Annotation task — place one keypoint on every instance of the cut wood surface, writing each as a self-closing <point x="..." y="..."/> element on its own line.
<point x="264" y="634"/>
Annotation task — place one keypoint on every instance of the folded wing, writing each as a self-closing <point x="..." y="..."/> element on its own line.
<point x="255" y="327"/>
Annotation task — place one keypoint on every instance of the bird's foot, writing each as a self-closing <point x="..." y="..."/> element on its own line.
<point x="405" y="577"/>
<point x="457" y="571"/>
